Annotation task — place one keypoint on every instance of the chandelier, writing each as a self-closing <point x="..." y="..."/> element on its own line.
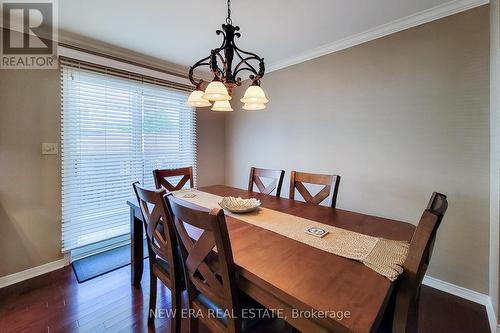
<point x="227" y="76"/>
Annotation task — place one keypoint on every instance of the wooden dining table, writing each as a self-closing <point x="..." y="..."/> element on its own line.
<point x="313" y="290"/>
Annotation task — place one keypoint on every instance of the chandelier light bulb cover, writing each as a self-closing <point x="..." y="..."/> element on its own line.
<point x="228" y="75"/>
<point x="216" y="91"/>
<point x="254" y="95"/>
<point x="195" y="99"/>
<point x="222" y="106"/>
<point x="253" y="106"/>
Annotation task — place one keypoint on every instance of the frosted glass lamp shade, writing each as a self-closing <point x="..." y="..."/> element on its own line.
<point x="254" y="95"/>
<point x="253" y="106"/>
<point x="222" y="106"/>
<point x="196" y="101"/>
<point x="216" y="91"/>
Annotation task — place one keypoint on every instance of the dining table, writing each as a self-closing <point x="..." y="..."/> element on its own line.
<point x="313" y="290"/>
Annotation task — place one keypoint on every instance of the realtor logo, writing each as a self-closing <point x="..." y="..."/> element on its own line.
<point x="29" y="34"/>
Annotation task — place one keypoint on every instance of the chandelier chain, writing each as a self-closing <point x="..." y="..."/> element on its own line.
<point x="228" y="19"/>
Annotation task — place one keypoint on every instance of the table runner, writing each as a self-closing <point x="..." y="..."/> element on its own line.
<point x="384" y="256"/>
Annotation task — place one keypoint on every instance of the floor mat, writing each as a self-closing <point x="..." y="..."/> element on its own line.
<point x="104" y="262"/>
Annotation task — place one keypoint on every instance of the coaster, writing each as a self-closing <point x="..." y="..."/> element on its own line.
<point x="316" y="232"/>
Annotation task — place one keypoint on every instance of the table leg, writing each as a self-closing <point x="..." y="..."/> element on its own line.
<point x="136" y="248"/>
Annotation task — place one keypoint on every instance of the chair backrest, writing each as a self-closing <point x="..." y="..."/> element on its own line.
<point x="159" y="227"/>
<point x="275" y="175"/>
<point x="210" y="273"/>
<point x="405" y="317"/>
<point x="161" y="178"/>
<point x="330" y="182"/>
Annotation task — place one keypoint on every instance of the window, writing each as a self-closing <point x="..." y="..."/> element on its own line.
<point x="115" y="131"/>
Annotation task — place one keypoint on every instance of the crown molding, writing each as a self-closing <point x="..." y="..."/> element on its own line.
<point x="432" y="14"/>
<point x="115" y="51"/>
<point x="103" y="59"/>
<point x="92" y="45"/>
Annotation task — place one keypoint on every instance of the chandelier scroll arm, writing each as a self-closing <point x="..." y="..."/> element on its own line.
<point x="221" y="32"/>
<point x="251" y="56"/>
<point x="214" y="67"/>
<point x="249" y="67"/>
<point x="199" y="63"/>
<point x="252" y="71"/>
<point x="244" y="60"/>
<point x="257" y="75"/>
<point x="222" y="71"/>
<point x="243" y="51"/>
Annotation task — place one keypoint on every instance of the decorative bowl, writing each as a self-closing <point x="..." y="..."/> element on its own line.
<point x="239" y="205"/>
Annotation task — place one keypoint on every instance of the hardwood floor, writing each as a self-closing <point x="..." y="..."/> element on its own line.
<point x="56" y="302"/>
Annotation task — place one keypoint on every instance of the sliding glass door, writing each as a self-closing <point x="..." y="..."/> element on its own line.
<point x="115" y="131"/>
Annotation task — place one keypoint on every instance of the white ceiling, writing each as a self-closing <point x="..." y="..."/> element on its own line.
<point x="282" y="31"/>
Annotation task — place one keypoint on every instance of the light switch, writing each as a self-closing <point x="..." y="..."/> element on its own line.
<point x="50" y="148"/>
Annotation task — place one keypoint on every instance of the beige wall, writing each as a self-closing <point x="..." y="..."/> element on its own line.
<point x="30" y="207"/>
<point x="210" y="140"/>
<point x="398" y="118"/>
<point x="30" y="227"/>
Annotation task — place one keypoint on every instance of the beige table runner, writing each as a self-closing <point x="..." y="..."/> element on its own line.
<point x="384" y="256"/>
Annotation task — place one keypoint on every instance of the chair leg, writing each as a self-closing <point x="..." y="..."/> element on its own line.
<point x="152" y="298"/>
<point x="175" y="320"/>
<point x="193" y="324"/>
<point x="412" y="325"/>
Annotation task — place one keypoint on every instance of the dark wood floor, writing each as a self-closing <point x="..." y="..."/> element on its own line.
<point x="56" y="302"/>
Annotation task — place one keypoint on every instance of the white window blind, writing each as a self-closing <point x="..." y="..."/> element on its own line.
<point x="115" y="131"/>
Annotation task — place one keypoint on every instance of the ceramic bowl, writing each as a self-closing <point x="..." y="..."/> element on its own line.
<point x="239" y="205"/>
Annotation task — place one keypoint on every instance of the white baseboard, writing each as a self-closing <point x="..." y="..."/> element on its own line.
<point x="33" y="272"/>
<point x="453" y="289"/>
<point x="468" y="294"/>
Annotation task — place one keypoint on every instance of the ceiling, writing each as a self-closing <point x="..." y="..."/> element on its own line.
<point x="282" y="31"/>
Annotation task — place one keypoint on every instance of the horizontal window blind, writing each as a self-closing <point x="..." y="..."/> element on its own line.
<point x="115" y="131"/>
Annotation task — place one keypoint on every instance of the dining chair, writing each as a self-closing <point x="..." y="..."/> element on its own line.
<point x="210" y="275"/>
<point x="298" y="179"/>
<point x="276" y="176"/>
<point x="164" y="261"/>
<point x="162" y="176"/>
<point x="402" y="313"/>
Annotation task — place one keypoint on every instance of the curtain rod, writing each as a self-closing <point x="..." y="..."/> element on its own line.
<point x="130" y="62"/>
<point x="75" y="63"/>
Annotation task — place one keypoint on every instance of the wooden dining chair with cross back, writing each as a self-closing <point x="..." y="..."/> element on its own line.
<point x="330" y="186"/>
<point x="163" y="178"/>
<point x="210" y="275"/>
<point x="276" y="176"/>
<point x="402" y="312"/>
<point x="164" y="261"/>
